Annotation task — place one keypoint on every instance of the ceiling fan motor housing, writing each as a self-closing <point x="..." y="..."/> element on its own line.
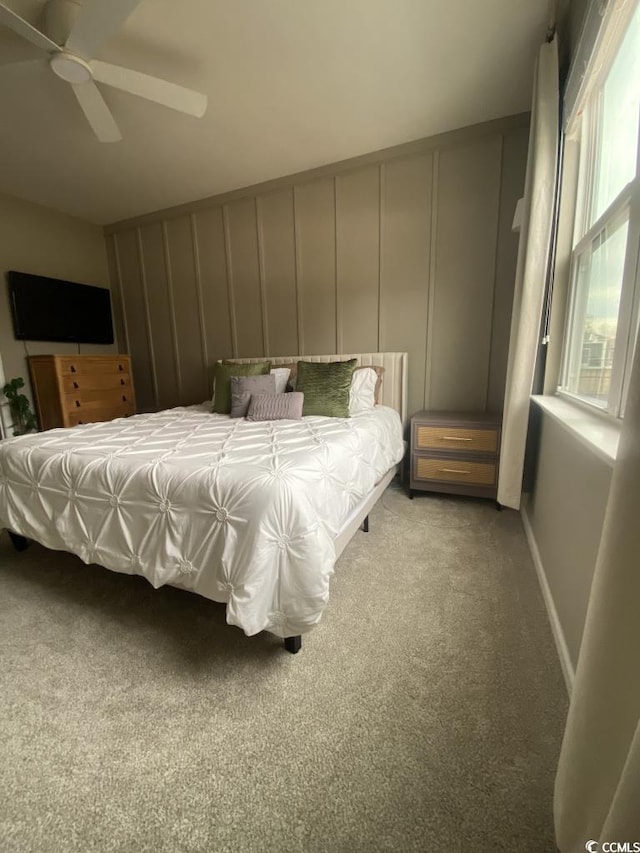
<point x="71" y="68"/>
<point x="59" y="18"/>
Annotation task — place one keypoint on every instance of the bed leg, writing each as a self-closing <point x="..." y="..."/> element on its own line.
<point x="365" y="524"/>
<point x="293" y="644"/>
<point x="20" y="543"/>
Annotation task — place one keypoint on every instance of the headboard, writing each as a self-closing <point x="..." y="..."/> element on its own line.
<point x="394" y="382"/>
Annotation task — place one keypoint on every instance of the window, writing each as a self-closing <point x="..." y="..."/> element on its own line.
<point x="602" y="320"/>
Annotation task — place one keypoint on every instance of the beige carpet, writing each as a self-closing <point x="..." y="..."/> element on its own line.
<point x="424" y="713"/>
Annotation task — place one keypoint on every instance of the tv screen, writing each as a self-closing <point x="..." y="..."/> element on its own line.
<point x="48" y="309"/>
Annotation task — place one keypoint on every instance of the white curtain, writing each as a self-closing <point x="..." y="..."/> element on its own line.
<point x="597" y="793"/>
<point x="531" y="272"/>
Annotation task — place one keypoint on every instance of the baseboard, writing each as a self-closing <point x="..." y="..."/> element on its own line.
<point x="556" y="627"/>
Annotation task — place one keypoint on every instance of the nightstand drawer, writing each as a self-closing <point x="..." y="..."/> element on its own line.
<point x="454" y="470"/>
<point x="456" y="438"/>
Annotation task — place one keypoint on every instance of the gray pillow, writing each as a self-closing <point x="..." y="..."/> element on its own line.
<point x="276" y="407"/>
<point x="222" y="386"/>
<point x="242" y="387"/>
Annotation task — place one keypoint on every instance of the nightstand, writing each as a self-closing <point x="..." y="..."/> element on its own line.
<point x="455" y="452"/>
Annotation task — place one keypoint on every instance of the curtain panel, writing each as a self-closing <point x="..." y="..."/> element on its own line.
<point x="597" y="794"/>
<point x="531" y="272"/>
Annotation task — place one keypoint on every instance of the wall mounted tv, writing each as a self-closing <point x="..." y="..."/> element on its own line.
<point x="48" y="309"/>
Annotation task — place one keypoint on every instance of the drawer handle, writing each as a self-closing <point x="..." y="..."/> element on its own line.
<point x="120" y="368"/>
<point x="75" y="385"/>
<point x="124" y="399"/>
<point x="455" y="438"/>
<point x="454" y="471"/>
<point x="72" y="369"/>
<point x="78" y="404"/>
<point x="122" y="382"/>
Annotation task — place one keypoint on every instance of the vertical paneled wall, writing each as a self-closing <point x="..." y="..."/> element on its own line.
<point x="410" y="249"/>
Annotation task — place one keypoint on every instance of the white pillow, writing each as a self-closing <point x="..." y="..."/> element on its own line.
<point x="362" y="391"/>
<point x="282" y="377"/>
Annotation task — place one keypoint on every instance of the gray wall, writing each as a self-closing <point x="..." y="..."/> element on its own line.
<point x="406" y="249"/>
<point x="39" y="240"/>
<point x="566" y="512"/>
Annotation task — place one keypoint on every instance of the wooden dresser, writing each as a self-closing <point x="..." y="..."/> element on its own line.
<point x="70" y="390"/>
<point x="455" y="452"/>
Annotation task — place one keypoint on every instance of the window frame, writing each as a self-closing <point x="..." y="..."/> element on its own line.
<point x="585" y="129"/>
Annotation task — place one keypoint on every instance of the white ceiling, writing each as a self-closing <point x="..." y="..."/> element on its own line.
<point x="292" y="84"/>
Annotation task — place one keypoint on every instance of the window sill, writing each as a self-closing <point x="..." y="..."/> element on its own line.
<point x="594" y="432"/>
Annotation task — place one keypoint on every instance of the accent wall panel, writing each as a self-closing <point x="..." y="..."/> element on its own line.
<point x="466" y="233"/>
<point x="134" y="306"/>
<point x="405" y="249"/>
<point x="184" y="287"/>
<point x="357" y="259"/>
<point x="160" y="310"/>
<point x="278" y="272"/>
<point x="212" y="262"/>
<point x="404" y="264"/>
<point x="244" y="277"/>
<point x="121" y="343"/>
<point x="316" y="254"/>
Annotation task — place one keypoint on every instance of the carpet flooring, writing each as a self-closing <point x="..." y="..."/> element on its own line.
<point x="423" y="714"/>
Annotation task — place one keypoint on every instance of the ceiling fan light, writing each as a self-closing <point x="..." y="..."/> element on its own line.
<point x="70" y="68"/>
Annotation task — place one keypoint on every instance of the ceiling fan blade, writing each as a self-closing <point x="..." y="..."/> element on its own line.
<point x="97" y="21"/>
<point x="151" y="88"/>
<point x="23" y="28"/>
<point x="23" y="65"/>
<point x="97" y="112"/>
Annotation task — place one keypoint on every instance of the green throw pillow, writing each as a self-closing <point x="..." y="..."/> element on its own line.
<point x="222" y="381"/>
<point x="325" y="386"/>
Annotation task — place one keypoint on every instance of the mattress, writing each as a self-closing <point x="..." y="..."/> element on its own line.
<point x="239" y="512"/>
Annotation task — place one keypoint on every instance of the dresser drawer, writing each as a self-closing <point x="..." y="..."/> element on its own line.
<point x="454" y="470"/>
<point x="97" y="414"/>
<point x="88" y="366"/>
<point x="483" y="440"/>
<point x="84" y="400"/>
<point x="79" y="382"/>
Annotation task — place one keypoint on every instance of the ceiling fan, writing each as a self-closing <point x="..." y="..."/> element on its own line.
<point x="74" y="34"/>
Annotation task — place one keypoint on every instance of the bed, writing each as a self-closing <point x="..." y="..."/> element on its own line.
<point x="253" y="515"/>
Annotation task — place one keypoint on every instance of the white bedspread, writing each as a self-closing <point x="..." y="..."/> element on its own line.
<point x="239" y="512"/>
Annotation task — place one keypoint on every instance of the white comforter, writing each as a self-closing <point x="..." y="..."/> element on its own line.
<point x="239" y="512"/>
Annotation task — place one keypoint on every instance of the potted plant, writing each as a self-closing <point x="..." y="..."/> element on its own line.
<point x="24" y="420"/>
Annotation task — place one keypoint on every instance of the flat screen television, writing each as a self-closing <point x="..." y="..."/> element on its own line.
<point x="49" y="309"/>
